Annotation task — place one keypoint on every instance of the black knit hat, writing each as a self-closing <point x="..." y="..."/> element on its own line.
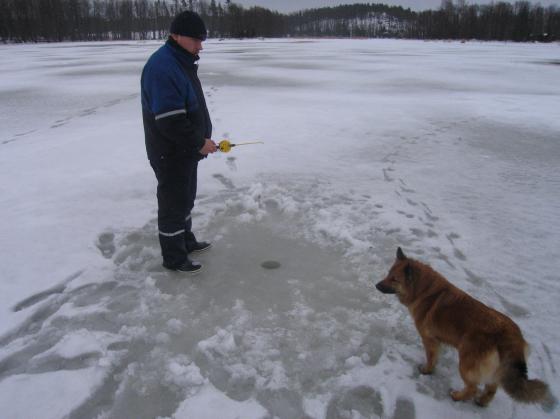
<point x="188" y="23"/>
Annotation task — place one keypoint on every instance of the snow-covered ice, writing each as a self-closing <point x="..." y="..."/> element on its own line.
<point x="450" y="150"/>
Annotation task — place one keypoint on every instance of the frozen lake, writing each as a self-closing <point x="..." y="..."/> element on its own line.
<point x="449" y="150"/>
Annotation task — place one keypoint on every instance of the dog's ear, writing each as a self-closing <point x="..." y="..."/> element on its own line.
<point x="408" y="272"/>
<point x="400" y="254"/>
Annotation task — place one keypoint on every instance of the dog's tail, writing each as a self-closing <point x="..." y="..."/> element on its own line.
<point x="515" y="382"/>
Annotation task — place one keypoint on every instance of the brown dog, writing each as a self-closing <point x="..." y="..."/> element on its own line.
<point x="491" y="348"/>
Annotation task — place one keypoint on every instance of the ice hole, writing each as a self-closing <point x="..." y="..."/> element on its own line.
<point x="270" y="264"/>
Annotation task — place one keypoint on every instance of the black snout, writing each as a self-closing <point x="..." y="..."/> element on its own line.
<point x="384" y="288"/>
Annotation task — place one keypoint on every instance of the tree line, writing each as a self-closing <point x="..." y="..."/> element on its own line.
<point x="98" y="20"/>
<point x="520" y="21"/>
<point x="356" y="20"/>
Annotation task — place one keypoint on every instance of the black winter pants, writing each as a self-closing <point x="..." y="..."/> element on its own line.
<point x="176" y="193"/>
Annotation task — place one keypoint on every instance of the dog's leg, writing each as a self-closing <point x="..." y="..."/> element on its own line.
<point x="465" y="394"/>
<point x="467" y="368"/>
<point x="487" y="395"/>
<point x="431" y="346"/>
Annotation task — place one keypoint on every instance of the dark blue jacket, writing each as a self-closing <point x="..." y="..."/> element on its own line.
<point x="176" y="119"/>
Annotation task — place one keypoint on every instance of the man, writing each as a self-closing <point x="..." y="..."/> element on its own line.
<point x="177" y="130"/>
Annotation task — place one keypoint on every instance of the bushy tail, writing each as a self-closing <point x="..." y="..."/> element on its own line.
<point x="515" y="382"/>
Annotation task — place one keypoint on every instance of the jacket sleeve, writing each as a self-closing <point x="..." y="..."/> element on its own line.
<point x="168" y="98"/>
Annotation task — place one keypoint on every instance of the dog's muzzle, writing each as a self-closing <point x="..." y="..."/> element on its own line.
<point x="385" y="289"/>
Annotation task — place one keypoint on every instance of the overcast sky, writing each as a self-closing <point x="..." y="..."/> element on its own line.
<point x="293" y="5"/>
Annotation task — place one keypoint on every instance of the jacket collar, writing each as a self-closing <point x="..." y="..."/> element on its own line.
<point x="182" y="54"/>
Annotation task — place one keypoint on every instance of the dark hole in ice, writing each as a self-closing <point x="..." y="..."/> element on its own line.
<point x="270" y="264"/>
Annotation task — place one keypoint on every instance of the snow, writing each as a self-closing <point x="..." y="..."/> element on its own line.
<point x="78" y="343"/>
<point x="50" y="395"/>
<point x="449" y="150"/>
<point x="211" y="403"/>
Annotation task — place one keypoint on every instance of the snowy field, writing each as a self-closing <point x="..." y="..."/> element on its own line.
<point x="449" y="150"/>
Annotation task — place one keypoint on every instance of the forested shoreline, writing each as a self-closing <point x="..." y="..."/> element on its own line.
<point x="101" y="20"/>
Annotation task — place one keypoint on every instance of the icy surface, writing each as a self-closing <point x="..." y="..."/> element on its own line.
<point x="449" y="150"/>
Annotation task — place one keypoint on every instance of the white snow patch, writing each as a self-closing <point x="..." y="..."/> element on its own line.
<point x="81" y="342"/>
<point x="211" y="403"/>
<point x="51" y="395"/>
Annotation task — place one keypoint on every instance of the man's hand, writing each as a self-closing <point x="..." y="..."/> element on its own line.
<point x="209" y="147"/>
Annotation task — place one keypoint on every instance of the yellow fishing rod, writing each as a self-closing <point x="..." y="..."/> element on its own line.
<point x="225" y="146"/>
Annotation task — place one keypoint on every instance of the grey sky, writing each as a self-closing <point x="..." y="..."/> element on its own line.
<point x="293" y="5"/>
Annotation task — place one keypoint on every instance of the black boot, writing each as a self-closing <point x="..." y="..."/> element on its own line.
<point x="189" y="267"/>
<point x="199" y="247"/>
